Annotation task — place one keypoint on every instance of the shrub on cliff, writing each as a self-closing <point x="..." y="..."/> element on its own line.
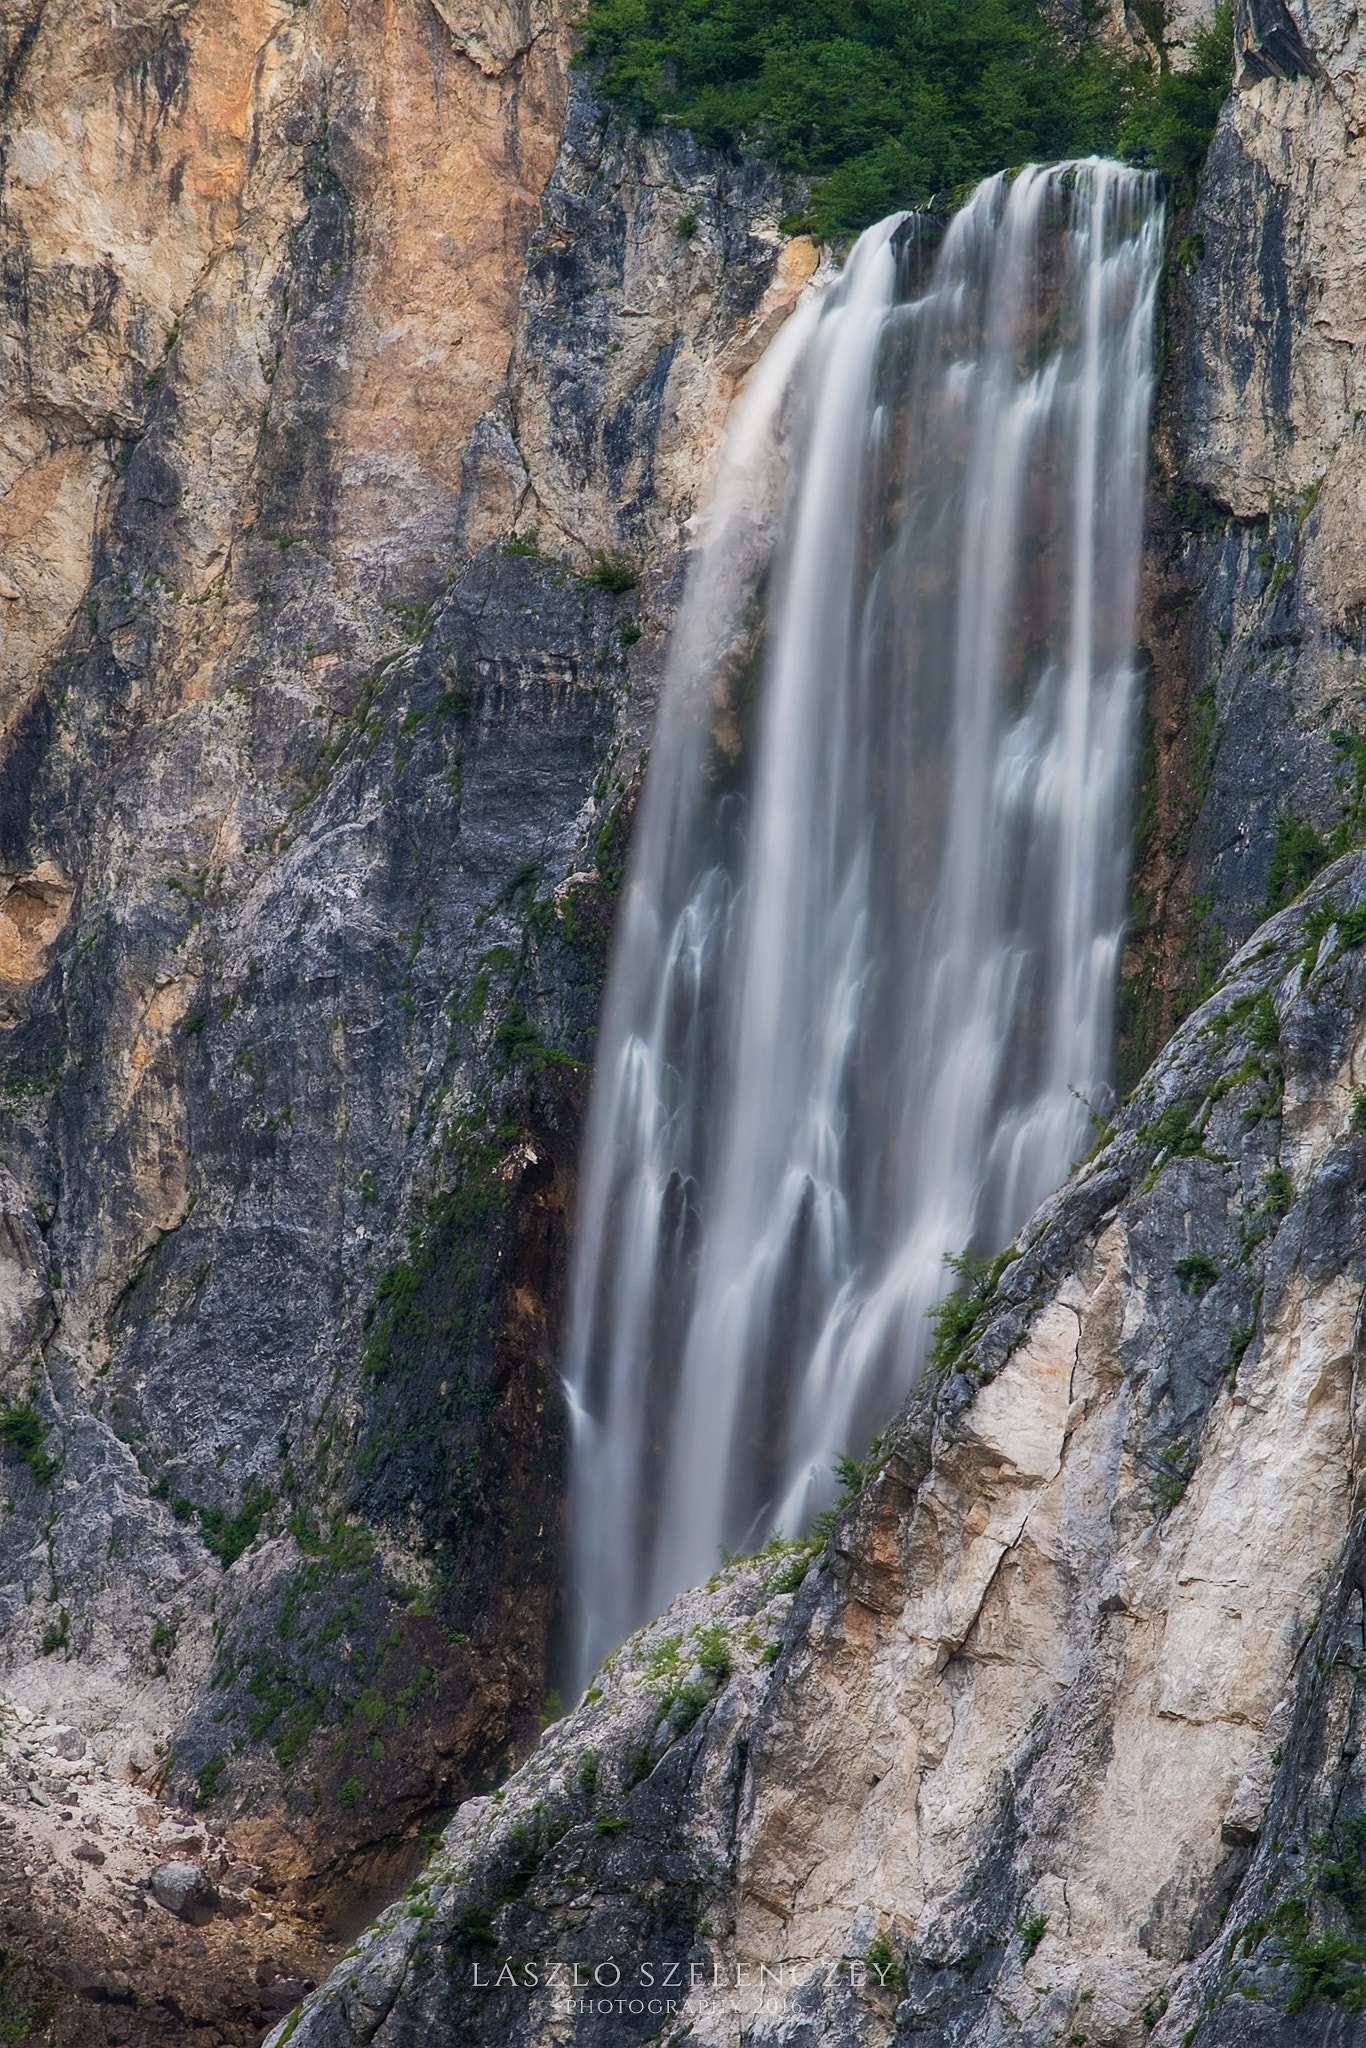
<point x="24" y="1430"/>
<point x="1170" y="118"/>
<point x="886" y="104"/>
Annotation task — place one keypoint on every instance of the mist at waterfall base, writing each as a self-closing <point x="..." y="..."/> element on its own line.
<point x="867" y="954"/>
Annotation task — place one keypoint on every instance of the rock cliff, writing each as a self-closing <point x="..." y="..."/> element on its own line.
<point x="360" y="383"/>
<point x="1057" y="1739"/>
<point x="360" y="380"/>
<point x="1251" y="605"/>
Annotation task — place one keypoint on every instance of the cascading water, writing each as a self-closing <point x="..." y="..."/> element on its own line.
<point x="867" y="955"/>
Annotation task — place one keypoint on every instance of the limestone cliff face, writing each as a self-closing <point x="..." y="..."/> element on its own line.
<point x="358" y="388"/>
<point x="1059" y="1739"/>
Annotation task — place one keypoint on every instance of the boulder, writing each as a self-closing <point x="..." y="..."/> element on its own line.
<point x="185" y="1890"/>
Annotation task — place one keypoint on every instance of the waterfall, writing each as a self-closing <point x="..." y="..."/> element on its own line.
<point x="866" y="960"/>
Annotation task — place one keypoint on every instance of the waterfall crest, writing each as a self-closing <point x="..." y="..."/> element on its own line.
<point x="866" y="961"/>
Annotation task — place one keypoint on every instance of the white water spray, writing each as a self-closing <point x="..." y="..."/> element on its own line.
<point x="868" y="947"/>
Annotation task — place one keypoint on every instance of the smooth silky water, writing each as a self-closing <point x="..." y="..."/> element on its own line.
<point x="864" y="979"/>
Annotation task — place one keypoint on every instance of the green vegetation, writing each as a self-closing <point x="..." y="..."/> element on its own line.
<point x="1238" y="1340"/>
<point x="1327" y="1966"/>
<point x="435" y="1295"/>
<point x="1344" y="1877"/>
<point x="16" y="1087"/>
<point x="23" y="2011"/>
<point x="1032" y="1932"/>
<point x="227" y="1536"/>
<point x="1296" y="857"/>
<point x="1278" y="1192"/>
<point x="1263" y="1218"/>
<point x="712" y="1650"/>
<point x="639" y="1765"/>
<point x="57" y="1636"/>
<point x="680" y="1698"/>
<point x="886" y="106"/>
<point x="1329" y="1963"/>
<point x="521" y="1045"/>
<point x="611" y="846"/>
<point x="1299" y="851"/>
<point x="885" y="1966"/>
<point x="1351" y="785"/>
<point x="1325" y="917"/>
<point x="208" y="1781"/>
<point x="853" y="1475"/>
<point x="475" y="1926"/>
<point x="1255" y="1016"/>
<point x="293" y="1683"/>
<point x="552" y="1710"/>
<point x="531" y="1840"/>
<point x="958" y="1315"/>
<point x="24" y="1430"/>
<point x="613" y="572"/>
<point x="1195" y="1274"/>
<point x="1176" y="1133"/>
<point x="1173" y="1474"/>
<point x="1263" y="1027"/>
<point x="1169" y="122"/>
<point x="794" y="1558"/>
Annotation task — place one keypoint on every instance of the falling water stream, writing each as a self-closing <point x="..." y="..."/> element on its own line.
<point x="866" y="963"/>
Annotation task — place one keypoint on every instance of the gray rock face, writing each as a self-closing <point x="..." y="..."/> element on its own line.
<point x="185" y="1890"/>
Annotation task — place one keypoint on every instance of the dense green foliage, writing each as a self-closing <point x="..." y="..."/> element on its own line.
<point x="887" y="104"/>
<point x="24" y="1430"/>
<point x="1296" y="857"/>
<point x="1170" y="119"/>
